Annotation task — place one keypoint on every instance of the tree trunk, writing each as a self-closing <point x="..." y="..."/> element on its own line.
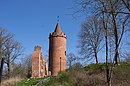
<point x="8" y="65"/>
<point x="106" y="42"/>
<point x="96" y="57"/>
<point x="116" y="56"/>
<point x="1" y="69"/>
<point x="108" y="72"/>
<point x="107" y="65"/>
<point x="116" y="39"/>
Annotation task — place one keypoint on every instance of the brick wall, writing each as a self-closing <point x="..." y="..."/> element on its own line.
<point x="38" y="63"/>
<point x="57" y="51"/>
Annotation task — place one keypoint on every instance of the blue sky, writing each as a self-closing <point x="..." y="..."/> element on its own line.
<point x="31" y="21"/>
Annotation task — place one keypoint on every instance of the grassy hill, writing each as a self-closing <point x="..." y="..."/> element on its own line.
<point x="91" y="75"/>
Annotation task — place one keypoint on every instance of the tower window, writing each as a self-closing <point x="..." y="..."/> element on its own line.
<point x="65" y="53"/>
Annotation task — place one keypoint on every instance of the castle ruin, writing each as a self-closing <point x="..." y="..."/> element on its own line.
<point x="57" y="55"/>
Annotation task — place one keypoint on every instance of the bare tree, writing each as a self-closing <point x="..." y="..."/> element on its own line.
<point x="10" y="48"/>
<point x="118" y="23"/>
<point x="70" y="59"/>
<point x="119" y="17"/>
<point x="105" y="26"/>
<point x="13" y="49"/>
<point x="23" y="67"/>
<point x="4" y="37"/>
<point x="90" y="38"/>
<point x="118" y="20"/>
<point x="28" y="62"/>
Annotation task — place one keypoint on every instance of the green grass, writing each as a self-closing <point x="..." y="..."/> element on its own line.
<point x="62" y="79"/>
<point x="29" y="82"/>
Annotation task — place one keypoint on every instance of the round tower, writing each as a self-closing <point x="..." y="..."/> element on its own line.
<point x="57" y="51"/>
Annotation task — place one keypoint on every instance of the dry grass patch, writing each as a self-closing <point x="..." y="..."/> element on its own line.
<point x="11" y="82"/>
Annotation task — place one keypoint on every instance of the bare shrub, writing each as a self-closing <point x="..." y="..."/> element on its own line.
<point x="84" y="79"/>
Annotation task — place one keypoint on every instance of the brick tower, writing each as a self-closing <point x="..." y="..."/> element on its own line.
<point x="57" y="51"/>
<point x="38" y="63"/>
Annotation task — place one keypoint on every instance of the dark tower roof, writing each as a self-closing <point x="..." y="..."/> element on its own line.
<point x="57" y="32"/>
<point x="58" y="29"/>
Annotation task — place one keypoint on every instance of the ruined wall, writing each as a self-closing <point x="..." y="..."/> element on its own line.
<point x="38" y="63"/>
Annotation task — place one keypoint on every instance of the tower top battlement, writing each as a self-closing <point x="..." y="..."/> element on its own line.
<point x="57" y="32"/>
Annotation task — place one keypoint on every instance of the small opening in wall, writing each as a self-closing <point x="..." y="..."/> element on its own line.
<point x="65" y="53"/>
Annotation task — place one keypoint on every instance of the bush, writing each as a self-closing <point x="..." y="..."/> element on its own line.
<point x="121" y="74"/>
<point x="76" y="77"/>
<point x="95" y="68"/>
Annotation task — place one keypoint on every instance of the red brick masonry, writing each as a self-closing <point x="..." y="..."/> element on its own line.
<point x="57" y="55"/>
<point x="39" y="65"/>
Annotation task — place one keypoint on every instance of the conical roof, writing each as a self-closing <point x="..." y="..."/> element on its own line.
<point x="57" y="32"/>
<point x="57" y="29"/>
